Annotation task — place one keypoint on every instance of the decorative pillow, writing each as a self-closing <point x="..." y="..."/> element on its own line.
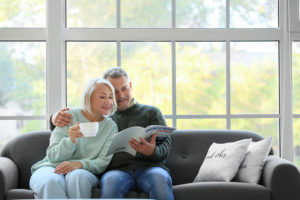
<point x="251" y="168"/>
<point x="222" y="161"/>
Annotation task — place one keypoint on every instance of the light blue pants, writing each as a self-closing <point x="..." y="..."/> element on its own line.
<point x="155" y="181"/>
<point x="76" y="184"/>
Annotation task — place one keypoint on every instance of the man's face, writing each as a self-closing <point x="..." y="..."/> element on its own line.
<point x="123" y="91"/>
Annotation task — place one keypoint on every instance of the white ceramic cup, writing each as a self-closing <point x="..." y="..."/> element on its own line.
<point x="89" y="129"/>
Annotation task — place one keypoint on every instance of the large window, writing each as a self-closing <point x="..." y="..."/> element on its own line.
<point x="207" y="64"/>
<point x="203" y="83"/>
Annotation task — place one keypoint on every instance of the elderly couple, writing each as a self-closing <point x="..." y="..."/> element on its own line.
<point x="73" y="163"/>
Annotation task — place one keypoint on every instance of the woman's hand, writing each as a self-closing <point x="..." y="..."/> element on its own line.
<point x="74" y="133"/>
<point x="67" y="166"/>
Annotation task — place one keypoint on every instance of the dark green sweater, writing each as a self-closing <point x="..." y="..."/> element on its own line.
<point x="140" y="115"/>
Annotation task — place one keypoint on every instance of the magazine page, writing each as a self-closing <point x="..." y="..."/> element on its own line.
<point x="161" y="131"/>
<point x="120" y="140"/>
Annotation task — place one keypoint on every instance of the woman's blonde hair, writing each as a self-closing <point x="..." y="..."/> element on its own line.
<point x="88" y="91"/>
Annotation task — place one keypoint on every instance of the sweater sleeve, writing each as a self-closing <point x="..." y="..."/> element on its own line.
<point x="156" y="117"/>
<point x="100" y="163"/>
<point x="162" y="148"/>
<point x="61" y="148"/>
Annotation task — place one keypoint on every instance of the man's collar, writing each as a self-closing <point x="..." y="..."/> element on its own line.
<point x="132" y="103"/>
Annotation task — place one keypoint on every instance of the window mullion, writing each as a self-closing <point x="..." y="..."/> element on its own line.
<point x="286" y="125"/>
<point x="56" y="80"/>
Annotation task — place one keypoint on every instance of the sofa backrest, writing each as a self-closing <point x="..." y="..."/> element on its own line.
<point x="25" y="150"/>
<point x="189" y="148"/>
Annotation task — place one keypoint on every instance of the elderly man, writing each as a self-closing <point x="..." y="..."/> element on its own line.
<point x="146" y="171"/>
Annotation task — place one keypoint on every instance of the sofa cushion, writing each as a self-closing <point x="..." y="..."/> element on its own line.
<point x="221" y="190"/>
<point x="130" y="194"/>
<point x="251" y="168"/>
<point x="20" y="194"/>
<point x="28" y="194"/>
<point x="222" y="161"/>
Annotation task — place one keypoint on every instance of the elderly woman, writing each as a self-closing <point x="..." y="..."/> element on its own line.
<point x="72" y="161"/>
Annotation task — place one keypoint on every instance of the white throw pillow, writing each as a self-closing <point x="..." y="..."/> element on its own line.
<point x="251" y="168"/>
<point x="222" y="161"/>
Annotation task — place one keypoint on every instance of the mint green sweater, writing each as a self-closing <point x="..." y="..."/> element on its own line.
<point x="90" y="151"/>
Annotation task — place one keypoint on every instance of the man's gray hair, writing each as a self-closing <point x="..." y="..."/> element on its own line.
<point x="88" y="91"/>
<point x="115" y="72"/>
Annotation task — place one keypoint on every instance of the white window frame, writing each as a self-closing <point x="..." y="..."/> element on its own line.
<point x="56" y="35"/>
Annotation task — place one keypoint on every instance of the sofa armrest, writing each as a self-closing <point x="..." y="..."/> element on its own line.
<point x="8" y="176"/>
<point x="282" y="178"/>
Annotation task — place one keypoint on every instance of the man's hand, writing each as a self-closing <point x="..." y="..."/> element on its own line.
<point x="61" y="118"/>
<point x="74" y="133"/>
<point x="67" y="166"/>
<point x="144" y="147"/>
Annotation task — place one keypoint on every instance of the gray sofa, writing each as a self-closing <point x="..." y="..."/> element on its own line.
<point x="280" y="179"/>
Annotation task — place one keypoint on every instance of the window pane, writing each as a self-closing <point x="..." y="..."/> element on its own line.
<point x="85" y="61"/>
<point x="12" y="128"/>
<point x="201" y="124"/>
<point x="200" y="78"/>
<point x="146" y="14"/>
<point x="201" y="13"/>
<point x="25" y="13"/>
<point x="254" y="13"/>
<point x="296" y="75"/>
<point x="254" y="78"/>
<point x="91" y="13"/>
<point x="263" y="126"/>
<point x="296" y="132"/>
<point x="22" y="78"/>
<point x="150" y="69"/>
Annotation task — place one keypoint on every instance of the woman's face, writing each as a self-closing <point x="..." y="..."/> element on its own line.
<point x="101" y="100"/>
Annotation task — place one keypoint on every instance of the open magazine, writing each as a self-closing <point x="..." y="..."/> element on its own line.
<point x="120" y="140"/>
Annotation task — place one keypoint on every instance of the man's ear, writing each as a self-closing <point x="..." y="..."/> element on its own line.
<point x="130" y="85"/>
